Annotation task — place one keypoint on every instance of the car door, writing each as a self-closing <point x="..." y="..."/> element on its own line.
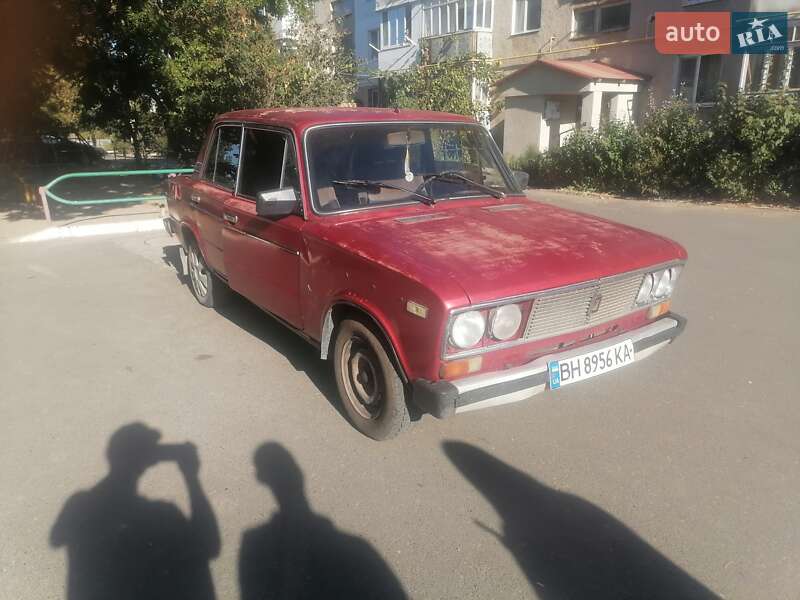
<point x="262" y="255"/>
<point x="215" y="186"/>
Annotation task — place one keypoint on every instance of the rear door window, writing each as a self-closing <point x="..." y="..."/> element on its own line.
<point x="223" y="163"/>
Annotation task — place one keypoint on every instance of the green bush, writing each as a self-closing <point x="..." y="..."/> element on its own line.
<point x="747" y="149"/>
<point x="753" y="152"/>
<point x="675" y="146"/>
<point x="537" y="165"/>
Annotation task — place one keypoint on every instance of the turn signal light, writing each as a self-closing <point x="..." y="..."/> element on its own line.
<point x="459" y="368"/>
<point x="658" y="310"/>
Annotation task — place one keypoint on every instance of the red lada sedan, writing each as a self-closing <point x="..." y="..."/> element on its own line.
<point x="401" y="246"/>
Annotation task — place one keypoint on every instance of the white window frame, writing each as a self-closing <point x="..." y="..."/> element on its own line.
<point x="446" y="12"/>
<point x="791" y="57"/>
<point x="598" y="10"/>
<point x="698" y="59"/>
<point x="525" y="28"/>
<point x="391" y="20"/>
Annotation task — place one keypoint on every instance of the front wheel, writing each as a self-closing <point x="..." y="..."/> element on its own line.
<point x="370" y="388"/>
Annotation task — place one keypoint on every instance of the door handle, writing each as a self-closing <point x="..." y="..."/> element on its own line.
<point x="230" y="218"/>
<point x="194" y="199"/>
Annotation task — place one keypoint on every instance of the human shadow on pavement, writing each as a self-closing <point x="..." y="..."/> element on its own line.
<point x="124" y="546"/>
<point x="298" y="554"/>
<point x="567" y="547"/>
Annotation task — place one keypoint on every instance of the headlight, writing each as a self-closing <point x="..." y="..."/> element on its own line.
<point x="643" y="296"/>
<point x="667" y="282"/>
<point x="504" y="321"/>
<point x="657" y="285"/>
<point x="467" y="329"/>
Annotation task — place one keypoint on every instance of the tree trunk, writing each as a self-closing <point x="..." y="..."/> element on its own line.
<point x="136" y="140"/>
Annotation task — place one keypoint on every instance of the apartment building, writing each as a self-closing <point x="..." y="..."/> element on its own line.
<point x="566" y="64"/>
<point x="577" y="64"/>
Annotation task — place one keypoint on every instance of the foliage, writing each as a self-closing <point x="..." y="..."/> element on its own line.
<point x="754" y="150"/>
<point x="151" y="67"/>
<point x="127" y="83"/>
<point x="445" y="86"/>
<point x="60" y="106"/>
<point x="747" y="149"/>
<point x="316" y="70"/>
<point x="35" y="37"/>
<point x="218" y="56"/>
<point x="537" y="165"/>
<point x="675" y="145"/>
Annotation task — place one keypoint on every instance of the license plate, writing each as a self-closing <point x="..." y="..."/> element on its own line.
<point x="584" y="366"/>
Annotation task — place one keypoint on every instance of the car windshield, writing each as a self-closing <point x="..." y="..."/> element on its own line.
<point x="380" y="164"/>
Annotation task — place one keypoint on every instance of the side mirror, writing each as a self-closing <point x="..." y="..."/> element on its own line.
<point x="276" y="203"/>
<point x="522" y="178"/>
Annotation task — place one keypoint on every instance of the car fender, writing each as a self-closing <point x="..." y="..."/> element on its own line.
<point x="191" y="226"/>
<point x="379" y="319"/>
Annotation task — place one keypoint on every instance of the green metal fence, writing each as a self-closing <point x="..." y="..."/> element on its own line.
<point x="46" y="190"/>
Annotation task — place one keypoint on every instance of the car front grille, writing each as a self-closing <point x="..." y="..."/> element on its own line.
<point x="577" y="307"/>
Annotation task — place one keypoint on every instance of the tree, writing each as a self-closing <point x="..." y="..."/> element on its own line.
<point x="34" y="36"/>
<point x="316" y="70"/>
<point x="131" y="79"/>
<point x="213" y="71"/>
<point x="448" y="85"/>
<point x="171" y="65"/>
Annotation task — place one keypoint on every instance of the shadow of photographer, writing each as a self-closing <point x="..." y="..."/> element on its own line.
<point x="122" y="545"/>
<point x="299" y="554"/>
<point x="567" y="547"/>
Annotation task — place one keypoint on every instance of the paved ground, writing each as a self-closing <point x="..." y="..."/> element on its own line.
<point x="679" y="473"/>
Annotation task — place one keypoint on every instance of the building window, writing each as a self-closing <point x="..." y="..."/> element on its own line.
<point x="373" y="39"/>
<point x="452" y="16"/>
<point x="483" y="14"/>
<point x="774" y="72"/>
<point x="373" y="96"/>
<point x="527" y="15"/>
<point x="794" y="70"/>
<point x="395" y="26"/>
<point x="601" y="19"/>
<point x="698" y="77"/>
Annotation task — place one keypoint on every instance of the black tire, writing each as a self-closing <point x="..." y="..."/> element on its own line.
<point x="208" y="289"/>
<point x="371" y="391"/>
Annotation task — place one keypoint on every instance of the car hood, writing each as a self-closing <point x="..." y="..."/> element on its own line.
<point x="501" y="249"/>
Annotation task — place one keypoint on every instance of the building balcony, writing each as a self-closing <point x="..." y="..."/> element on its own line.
<point x="452" y="45"/>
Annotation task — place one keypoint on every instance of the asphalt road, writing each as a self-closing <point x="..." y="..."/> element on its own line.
<point x="678" y="476"/>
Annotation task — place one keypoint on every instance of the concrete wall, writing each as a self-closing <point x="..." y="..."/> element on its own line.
<point x="554" y="40"/>
<point x="365" y="19"/>
<point x="523" y="123"/>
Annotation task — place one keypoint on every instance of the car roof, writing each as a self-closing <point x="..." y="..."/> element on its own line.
<point x="303" y="118"/>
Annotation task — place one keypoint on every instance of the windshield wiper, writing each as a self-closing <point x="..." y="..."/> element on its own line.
<point x="369" y="184"/>
<point x="454" y="176"/>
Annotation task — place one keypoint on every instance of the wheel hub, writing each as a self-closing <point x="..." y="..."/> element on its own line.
<point x="363" y="379"/>
<point x="198" y="274"/>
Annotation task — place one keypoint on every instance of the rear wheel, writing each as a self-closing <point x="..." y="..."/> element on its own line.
<point x="206" y="287"/>
<point x="370" y="388"/>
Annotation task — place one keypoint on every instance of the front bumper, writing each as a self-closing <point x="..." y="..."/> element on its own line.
<point x="445" y="398"/>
